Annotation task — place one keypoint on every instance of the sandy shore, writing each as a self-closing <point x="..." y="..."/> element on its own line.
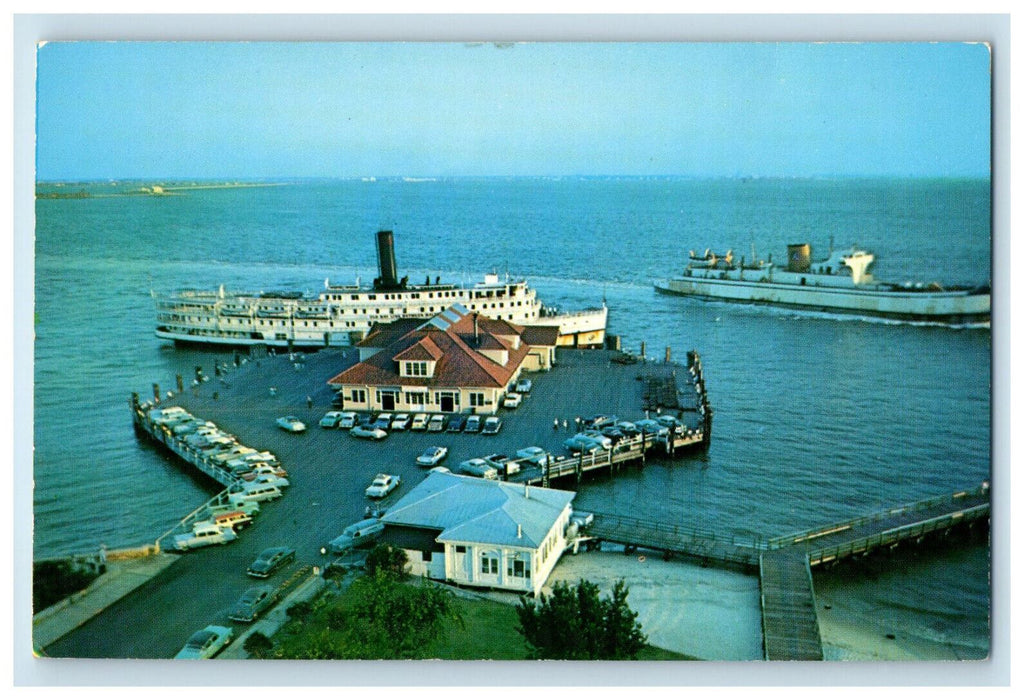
<point x="702" y="612"/>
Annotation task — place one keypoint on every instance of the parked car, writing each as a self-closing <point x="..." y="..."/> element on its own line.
<point x="291" y="424"/>
<point x="431" y="457"/>
<point x="502" y="463"/>
<point x="523" y="386"/>
<point x="492" y="426"/>
<point x="382" y="485"/>
<point x="478" y="467"/>
<point x="270" y="560"/>
<point x="400" y="421"/>
<point x="512" y="400"/>
<point x="596" y="435"/>
<point x="420" y="421"/>
<point x="206" y="643"/>
<point x="348" y="419"/>
<point x="204" y="534"/>
<point x="533" y="455"/>
<point x="382" y="421"/>
<point x="628" y="429"/>
<point x="671" y="423"/>
<point x="252" y="604"/>
<point x="456" y="423"/>
<point x="582" y="443"/>
<point x="473" y="424"/>
<point x="613" y="433"/>
<point x="331" y="419"/>
<point x="652" y="428"/>
<point x="356" y="535"/>
<point x="436" y="423"/>
<point x="600" y="421"/>
<point x="369" y="432"/>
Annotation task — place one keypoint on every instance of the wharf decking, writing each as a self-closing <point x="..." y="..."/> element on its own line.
<point x="790" y="627"/>
<point x="675" y="539"/>
<point x="888" y="528"/>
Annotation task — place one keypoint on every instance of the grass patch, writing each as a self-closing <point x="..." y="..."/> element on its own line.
<point x="488" y="631"/>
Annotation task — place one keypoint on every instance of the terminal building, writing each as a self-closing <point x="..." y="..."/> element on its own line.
<point x="456" y="362"/>
<point x="480" y="532"/>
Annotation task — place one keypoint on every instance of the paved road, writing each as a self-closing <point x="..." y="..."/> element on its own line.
<point x="329" y="471"/>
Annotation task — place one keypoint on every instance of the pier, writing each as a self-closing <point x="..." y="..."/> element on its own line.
<point x="790" y="627"/>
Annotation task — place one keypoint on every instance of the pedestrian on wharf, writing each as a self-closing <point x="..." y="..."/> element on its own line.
<point x="310" y="403"/>
<point x="556" y="424"/>
<point x="565" y="424"/>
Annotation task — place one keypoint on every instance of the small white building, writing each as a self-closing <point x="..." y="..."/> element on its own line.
<point x="480" y="532"/>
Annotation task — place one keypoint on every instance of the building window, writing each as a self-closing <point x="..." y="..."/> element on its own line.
<point x="459" y="549"/>
<point x="415" y="369"/>
<point x="427" y="556"/>
<point x="517" y="567"/>
<point x="358" y="395"/>
<point x="415" y="398"/>
<point x="488" y="564"/>
<point x="477" y="399"/>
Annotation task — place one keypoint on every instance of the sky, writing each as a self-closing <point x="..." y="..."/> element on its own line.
<point x="119" y="110"/>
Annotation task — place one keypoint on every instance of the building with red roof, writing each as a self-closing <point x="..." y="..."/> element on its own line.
<point x="455" y="362"/>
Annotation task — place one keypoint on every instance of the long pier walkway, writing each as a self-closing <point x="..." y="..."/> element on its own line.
<point x="790" y="628"/>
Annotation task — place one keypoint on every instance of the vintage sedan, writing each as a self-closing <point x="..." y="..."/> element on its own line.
<point x="252" y="604"/>
<point x="270" y="560"/>
<point x="431" y="457"/>
<point x="206" y="643"/>
<point x="331" y="419"/>
<point x="368" y="432"/>
<point x="291" y="424"/>
<point x="382" y="485"/>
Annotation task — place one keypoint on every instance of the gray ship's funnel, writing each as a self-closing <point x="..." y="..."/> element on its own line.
<point x="387" y="265"/>
<point x="799" y="256"/>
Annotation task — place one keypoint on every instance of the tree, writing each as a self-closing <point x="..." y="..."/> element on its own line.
<point x="257" y="645"/>
<point x="387" y="558"/>
<point x="575" y="622"/>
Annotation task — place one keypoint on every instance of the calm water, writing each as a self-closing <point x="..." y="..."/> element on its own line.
<point x="817" y="418"/>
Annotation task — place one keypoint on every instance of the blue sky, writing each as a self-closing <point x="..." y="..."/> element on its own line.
<point x="237" y="110"/>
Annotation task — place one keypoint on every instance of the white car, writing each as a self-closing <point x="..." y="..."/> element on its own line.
<point x="382" y="485"/>
<point x="331" y="419"/>
<point x="533" y="455"/>
<point x="400" y="421"/>
<point x="348" y="419"/>
<point x="523" y="386"/>
<point x="367" y="431"/>
<point x="420" y="421"/>
<point x="291" y="424"/>
<point x="478" y="467"/>
<point x="206" y="643"/>
<point x="436" y="424"/>
<point x="512" y="400"/>
<point x="431" y="457"/>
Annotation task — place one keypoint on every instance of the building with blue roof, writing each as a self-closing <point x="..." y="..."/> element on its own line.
<point x="481" y="532"/>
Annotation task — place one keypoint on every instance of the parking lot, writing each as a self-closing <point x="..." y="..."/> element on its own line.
<point x="329" y="471"/>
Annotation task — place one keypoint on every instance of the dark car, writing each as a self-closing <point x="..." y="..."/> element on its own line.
<point x="473" y="424"/>
<point x="270" y="560"/>
<point x="613" y="433"/>
<point x="252" y="604"/>
<point x="456" y="423"/>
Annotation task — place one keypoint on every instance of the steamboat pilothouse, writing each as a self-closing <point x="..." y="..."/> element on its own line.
<point x="343" y="314"/>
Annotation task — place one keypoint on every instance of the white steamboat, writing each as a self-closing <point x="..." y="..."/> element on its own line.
<point x="342" y="314"/>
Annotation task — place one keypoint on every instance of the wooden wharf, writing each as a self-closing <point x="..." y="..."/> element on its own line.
<point x="888" y="528"/>
<point x="161" y="434"/>
<point x="790" y="626"/>
<point x="675" y="539"/>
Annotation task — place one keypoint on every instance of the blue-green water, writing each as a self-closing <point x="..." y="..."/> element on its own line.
<point x="817" y="418"/>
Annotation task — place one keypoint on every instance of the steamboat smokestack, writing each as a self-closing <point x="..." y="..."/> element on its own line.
<point x="387" y="264"/>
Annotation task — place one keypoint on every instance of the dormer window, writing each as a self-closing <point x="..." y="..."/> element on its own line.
<point x="415" y="369"/>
